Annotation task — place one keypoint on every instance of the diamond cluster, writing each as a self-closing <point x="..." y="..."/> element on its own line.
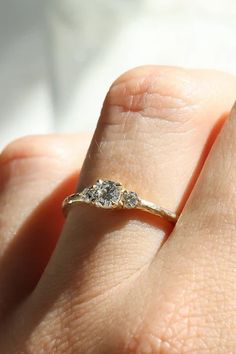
<point x="108" y="194"/>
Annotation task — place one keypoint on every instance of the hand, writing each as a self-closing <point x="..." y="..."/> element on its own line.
<point x="119" y="282"/>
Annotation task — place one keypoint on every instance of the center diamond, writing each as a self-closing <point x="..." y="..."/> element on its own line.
<point x="108" y="194"/>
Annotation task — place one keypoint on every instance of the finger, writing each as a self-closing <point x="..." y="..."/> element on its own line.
<point x="212" y="206"/>
<point x="199" y="258"/>
<point x="35" y="174"/>
<point x="152" y="136"/>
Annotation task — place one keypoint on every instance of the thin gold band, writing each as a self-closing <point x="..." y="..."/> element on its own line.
<point x="157" y="210"/>
<point x="108" y="194"/>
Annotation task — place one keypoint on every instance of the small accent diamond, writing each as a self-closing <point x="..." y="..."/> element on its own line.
<point x="130" y="199"/>
<point x="90" y="194"/>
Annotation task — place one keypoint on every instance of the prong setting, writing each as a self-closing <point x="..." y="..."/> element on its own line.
<point x="104" y="194"/>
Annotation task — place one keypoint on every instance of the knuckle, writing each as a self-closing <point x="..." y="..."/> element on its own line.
<point x="152" y="92"/>
<point x="30" y="155"/>
<point x="23" y="148"/>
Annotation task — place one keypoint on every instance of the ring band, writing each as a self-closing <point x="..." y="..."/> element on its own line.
<point x="108" y="194"/>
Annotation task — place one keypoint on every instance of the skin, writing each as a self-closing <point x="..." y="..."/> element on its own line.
<point x="126" y="282"/>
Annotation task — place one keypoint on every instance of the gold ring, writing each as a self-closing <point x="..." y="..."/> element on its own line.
<point x="108" y="194"/>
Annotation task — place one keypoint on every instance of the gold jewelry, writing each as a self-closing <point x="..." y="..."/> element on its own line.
<point x="108" y="194"/>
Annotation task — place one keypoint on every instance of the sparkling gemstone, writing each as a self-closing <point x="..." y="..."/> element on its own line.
<point x="90" y="194"/>
<point x="130" y="199"/>
<point x="108" y="194"/>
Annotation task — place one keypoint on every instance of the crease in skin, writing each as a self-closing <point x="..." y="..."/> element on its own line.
<point x="137" y="103"/>
<point x="152" y="83"/>
<point x="97" y="293"/>
<point x="148" y="343"/>
<point x="148" y="105"/>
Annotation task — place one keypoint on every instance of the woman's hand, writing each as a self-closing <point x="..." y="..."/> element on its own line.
<point x="119" y="282"/>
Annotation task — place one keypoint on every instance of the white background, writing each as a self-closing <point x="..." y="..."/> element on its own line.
<point x="57" y="59"/>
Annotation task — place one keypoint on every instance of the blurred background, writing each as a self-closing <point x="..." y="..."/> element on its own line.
<point x="58" y="58"/>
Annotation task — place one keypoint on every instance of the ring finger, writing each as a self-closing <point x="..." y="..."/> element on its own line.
<point x="154" y="132"/>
